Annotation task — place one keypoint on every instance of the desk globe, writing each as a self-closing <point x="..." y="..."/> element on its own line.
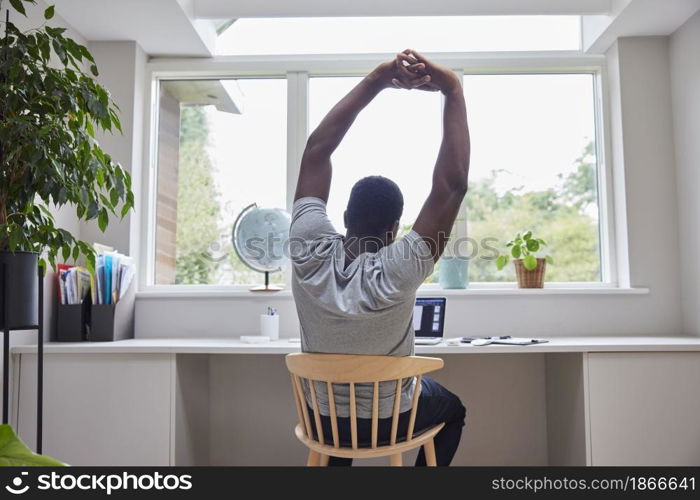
<point x="260" y="238"/>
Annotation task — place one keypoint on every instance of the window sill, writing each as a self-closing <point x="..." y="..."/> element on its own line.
<point x="547" y="290"/>
<point x="210" y="292"/>
<point x="507" y="289"/>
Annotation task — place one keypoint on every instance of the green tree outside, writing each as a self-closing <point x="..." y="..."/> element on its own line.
<point x="198" y="209"/>
<point x="564" y="217"/>
<point x="204" y="251"/>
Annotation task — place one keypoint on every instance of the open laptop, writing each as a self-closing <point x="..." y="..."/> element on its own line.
<point x="429" y="320"/>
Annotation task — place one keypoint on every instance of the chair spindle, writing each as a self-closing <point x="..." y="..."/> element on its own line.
<point x="317" y="413"/>
<point x="304" y="408"/>
<point x="334" y="416"/>
<point x="375" y="414"/>
<point x="414" y="408"/>
<point x="395" y="419"/>
<point x="353" y="416"/>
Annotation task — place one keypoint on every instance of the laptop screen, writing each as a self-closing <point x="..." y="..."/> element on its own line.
<point x="429" y="316"/>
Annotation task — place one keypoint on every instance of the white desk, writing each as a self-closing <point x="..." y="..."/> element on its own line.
<point x="585" y="400"/>
<point x="284" y="346"/>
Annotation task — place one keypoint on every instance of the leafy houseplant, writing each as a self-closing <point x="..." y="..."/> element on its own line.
<point x="529" y="268"/>
<point x="50" y="111"/>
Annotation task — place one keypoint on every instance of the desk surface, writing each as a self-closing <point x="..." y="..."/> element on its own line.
<point x="235" y="346"/>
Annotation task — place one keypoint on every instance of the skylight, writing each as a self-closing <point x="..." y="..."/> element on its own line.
<point x="357" y="35"/>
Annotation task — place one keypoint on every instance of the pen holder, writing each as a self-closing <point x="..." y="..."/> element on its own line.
<point x="110" y="322"/>
<point x="270" y="326"/>
<point x="72" y="321"/>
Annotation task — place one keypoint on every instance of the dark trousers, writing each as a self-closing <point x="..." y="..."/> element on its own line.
<point x="435" y="405"/>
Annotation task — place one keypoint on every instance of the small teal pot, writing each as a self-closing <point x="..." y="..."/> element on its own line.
<point x="454" y="272"/>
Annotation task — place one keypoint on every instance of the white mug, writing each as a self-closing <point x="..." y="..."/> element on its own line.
<point x="270" y="326"/>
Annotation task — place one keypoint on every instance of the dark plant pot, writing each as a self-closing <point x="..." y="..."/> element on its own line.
<point x="19" y="287"/>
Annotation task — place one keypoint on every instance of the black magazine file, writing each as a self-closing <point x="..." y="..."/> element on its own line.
<point x="72" y="321"/>
<point x="110" y="322"/>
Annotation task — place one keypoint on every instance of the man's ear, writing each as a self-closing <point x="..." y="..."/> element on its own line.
<point x="394" y="231"/>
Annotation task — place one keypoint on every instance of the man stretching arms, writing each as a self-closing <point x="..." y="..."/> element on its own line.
<point x="355" y="293"/>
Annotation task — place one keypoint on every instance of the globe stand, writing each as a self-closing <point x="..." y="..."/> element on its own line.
<point x="267" y="287"/>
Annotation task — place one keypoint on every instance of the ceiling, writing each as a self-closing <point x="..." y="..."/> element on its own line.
<point x="161" y="27"/>
<point x="187" y="28"/>
<point x="635" y="18"/>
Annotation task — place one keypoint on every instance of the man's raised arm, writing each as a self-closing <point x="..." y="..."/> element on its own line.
<point x="439" y="211"/>
<point x="316" y="169"/>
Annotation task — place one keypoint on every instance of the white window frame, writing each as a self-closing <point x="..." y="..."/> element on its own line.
<point x="298" y="69"/>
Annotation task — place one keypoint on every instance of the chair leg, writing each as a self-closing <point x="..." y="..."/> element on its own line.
<point x="429" y="450"/>
<point x="324" y="460"/>
<point x="396" y="460"/>
<point x="313" y="460"/>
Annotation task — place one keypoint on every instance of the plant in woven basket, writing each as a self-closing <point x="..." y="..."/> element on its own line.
<point x="524" y="249"/>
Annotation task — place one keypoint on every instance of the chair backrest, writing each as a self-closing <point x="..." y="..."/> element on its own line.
<point x="353" y="369"/>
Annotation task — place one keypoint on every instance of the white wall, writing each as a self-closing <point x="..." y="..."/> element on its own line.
<point x="643" y="157"/>
<point x="121" y="66"/>
<point x="685" y="85"/>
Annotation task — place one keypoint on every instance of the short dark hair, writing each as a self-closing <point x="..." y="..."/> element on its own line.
<point x="375" y="204"/>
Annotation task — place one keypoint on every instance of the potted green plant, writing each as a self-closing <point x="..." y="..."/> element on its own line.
<point x="50" y="112"/>
<point x="528" y="258"/>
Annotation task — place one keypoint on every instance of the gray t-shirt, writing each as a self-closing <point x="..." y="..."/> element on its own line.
<point x="366" y="308"/>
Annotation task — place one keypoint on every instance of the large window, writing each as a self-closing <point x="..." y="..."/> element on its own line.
<point x="534" y="167"/>
<point x="221" y="147"/>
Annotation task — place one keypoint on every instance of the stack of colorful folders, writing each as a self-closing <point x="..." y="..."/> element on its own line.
<point x="73" y="284"/>
<point x="113" y="275"/>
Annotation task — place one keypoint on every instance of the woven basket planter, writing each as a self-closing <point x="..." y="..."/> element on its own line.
<point x="530" y="279"/>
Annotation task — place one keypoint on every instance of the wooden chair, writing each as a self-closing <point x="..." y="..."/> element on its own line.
<point x="351" y="369"/>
